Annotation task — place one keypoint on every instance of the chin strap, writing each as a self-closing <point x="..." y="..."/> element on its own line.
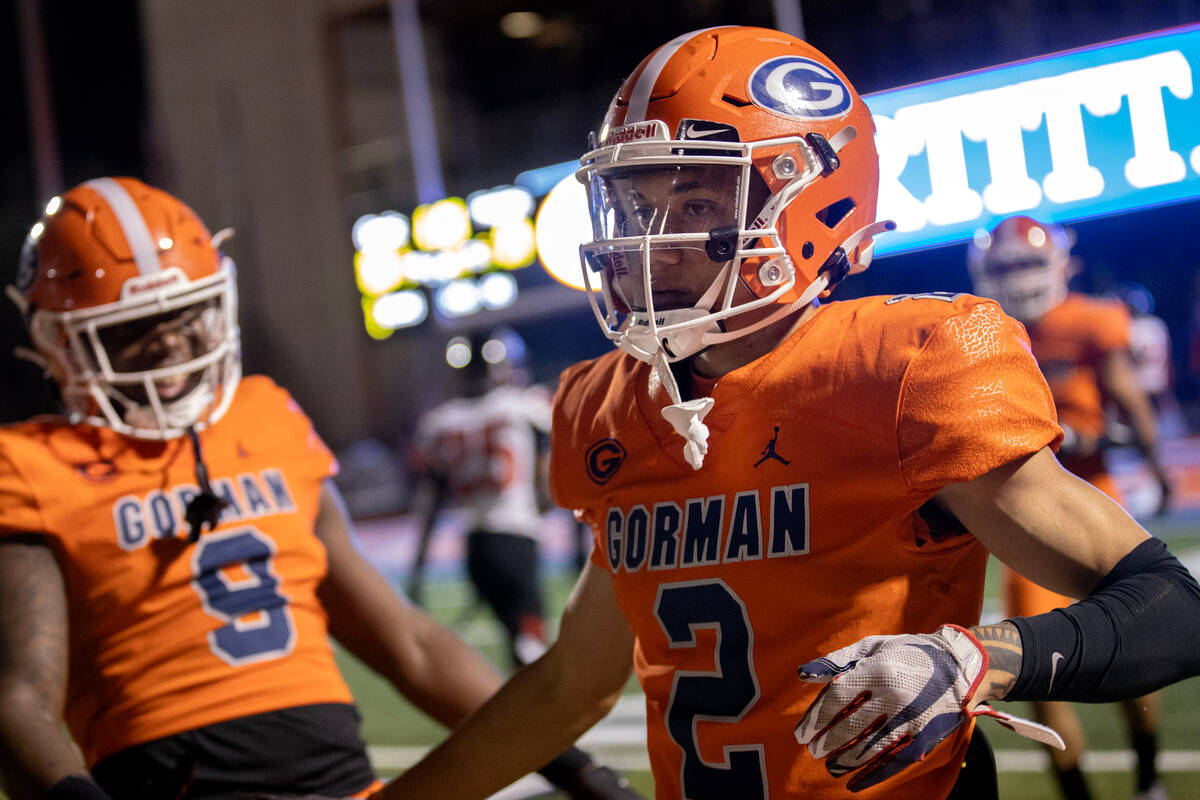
<point x="204" y="508"/>
<point x="686" y="417"/>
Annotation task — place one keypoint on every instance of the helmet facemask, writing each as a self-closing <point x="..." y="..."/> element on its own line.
<point x="1022" y="264"/>
<point x="666" y="210"/>
<point x="153" y="364"/>
<point x="775" y="114"/>
<point x="1026" y="290"/>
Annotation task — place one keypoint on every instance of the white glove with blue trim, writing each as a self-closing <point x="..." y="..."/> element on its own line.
<point x="889" y="700"/>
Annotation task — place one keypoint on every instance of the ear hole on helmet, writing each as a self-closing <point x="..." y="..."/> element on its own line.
<point x="835" y="212"/>
<point x="735" y="101"/>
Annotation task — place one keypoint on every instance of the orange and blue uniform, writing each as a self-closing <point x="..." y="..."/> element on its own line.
<point x="169" y="636"/>
<point x="801" y="533"/>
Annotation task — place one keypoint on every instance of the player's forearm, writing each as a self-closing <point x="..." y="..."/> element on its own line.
<point x="35" y="752"/>
<point x="429" y="666"/>
<point x="532" y="719"/>
<point x="1134" y="634"/>
<point x="1003" y="645"/>
<point x="443" y="676"/>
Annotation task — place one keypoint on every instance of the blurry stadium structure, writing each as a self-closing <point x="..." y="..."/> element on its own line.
<point x="289" y="121"/>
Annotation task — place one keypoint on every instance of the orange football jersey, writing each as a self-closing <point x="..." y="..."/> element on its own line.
<point x="800" y="534"/>
<point x="168" y="636"/>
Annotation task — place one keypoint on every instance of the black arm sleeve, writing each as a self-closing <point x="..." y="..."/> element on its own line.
<point x="1135" y="633"/>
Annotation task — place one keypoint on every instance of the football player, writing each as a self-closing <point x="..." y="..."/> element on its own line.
<point x="1150" y="351"/>
<point x="173" y="553"/>
<point x="779" y="484"/>
<point x="1082" y="344"/>
<point x="482" y="452"/>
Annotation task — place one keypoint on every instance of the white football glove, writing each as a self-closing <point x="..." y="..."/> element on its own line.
<point x="889" y="700"/>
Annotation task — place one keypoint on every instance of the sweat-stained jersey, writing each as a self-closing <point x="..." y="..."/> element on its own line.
<point x="168" y="636"/>
<point x="800" y="534"/>
<point x="486" y="447"/>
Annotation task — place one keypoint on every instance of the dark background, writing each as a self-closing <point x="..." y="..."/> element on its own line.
<point x="535" y="100"/>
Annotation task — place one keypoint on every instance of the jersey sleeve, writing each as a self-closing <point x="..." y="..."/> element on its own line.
<point x="274" y="421"/>
<point x="313" y="441"/>
<point x="973" y="399"/>
<point x="567" y="413"/>
<point x="19" y="508"/>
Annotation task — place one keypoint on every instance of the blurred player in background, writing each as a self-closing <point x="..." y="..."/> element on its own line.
<point x="173" y="553"/>
<point x="1083" y="347"/>
<point x="484" y="454"/>
<point x="776" y="484"/>
<point x="1150" y="351"/>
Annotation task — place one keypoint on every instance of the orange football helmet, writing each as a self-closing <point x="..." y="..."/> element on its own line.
<point x="112" y="269"/>
<point x="1023" y="264"/>
<point x="766" y="120"/>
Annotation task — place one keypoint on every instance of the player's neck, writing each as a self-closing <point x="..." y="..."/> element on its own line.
<point x="721" y="359"/>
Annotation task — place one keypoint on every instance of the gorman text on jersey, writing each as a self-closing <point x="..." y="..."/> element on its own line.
<point x="160" y="514"/>
<point x="708" y="530"/>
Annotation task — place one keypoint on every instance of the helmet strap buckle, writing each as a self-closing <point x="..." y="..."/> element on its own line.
<point x="825" y="152"/>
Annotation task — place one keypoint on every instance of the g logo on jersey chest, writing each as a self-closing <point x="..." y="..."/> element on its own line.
<point x="800" y="88"/>
<point x="603" y="459"/>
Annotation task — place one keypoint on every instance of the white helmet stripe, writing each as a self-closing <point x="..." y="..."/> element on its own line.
<point x="141" y="243"/>
<point x="639" y="98"/>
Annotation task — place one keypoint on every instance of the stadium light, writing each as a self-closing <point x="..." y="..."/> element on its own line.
<point x="443" y="225"/>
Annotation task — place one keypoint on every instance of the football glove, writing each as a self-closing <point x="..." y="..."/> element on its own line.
<point x="889" y="700"/>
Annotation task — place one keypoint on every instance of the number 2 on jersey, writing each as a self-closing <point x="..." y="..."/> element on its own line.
<point x="724" y="694"/>
<point x="236" y="580"/>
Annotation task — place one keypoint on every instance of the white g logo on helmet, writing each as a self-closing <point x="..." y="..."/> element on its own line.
<point x="800" y="88"/>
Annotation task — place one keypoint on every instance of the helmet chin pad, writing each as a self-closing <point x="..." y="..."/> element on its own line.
<point x="644" y="336"/>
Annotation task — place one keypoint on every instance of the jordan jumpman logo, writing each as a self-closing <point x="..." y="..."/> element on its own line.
<point x="769" y="451"/>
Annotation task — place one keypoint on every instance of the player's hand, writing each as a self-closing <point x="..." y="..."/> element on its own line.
<point x="889" y="700"/>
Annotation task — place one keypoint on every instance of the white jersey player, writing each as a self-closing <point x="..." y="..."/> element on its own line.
<point x="480" y="453"/>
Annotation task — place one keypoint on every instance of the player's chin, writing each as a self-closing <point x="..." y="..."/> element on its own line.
<point x="674" y="301"/>
<point x="174" y="388"/>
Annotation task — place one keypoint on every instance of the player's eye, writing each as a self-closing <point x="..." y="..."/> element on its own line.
<point x="638" y="220"/>
<point x="699" y="208"/>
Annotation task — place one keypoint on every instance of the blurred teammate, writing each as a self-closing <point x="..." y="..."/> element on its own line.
<point x="481" y="452"/>
<point x="776" y="484"/>
<point x="1083" y="347"/>
<point x="173" y="553"/>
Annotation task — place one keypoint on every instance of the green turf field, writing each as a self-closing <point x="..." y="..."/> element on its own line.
<point x="399" y="732"/>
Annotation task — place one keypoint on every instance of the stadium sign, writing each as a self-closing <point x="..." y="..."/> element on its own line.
<point x="1087" y="132"/>
<point x="1093" y="131"/>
